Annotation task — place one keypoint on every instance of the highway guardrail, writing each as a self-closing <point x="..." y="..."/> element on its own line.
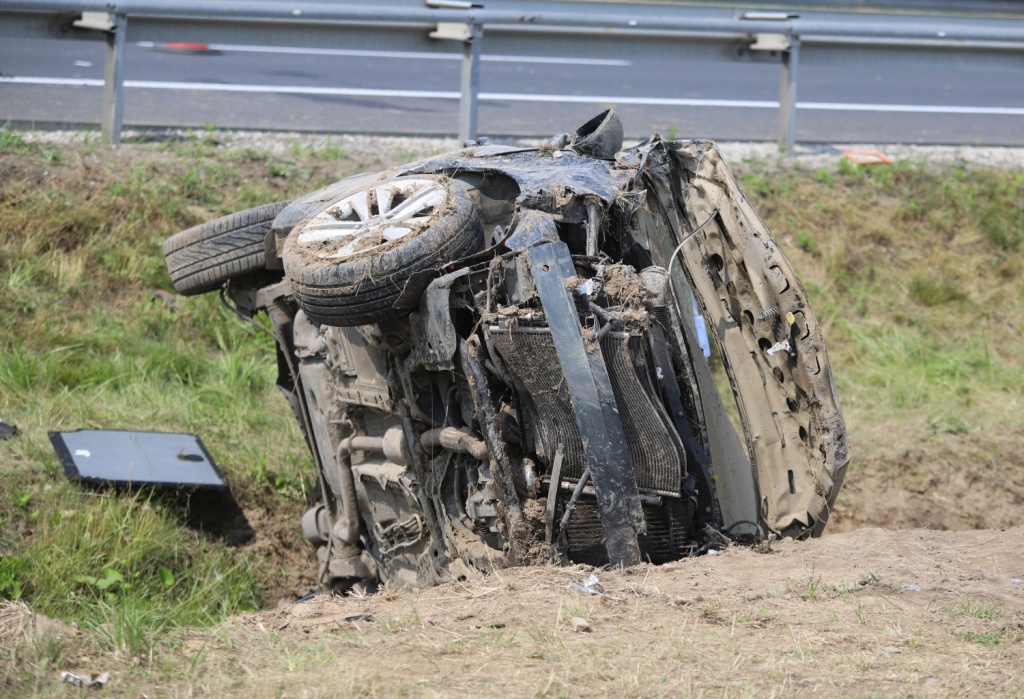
<point x="564" y="29"/>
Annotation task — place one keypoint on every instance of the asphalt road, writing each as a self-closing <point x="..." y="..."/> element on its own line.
<point x="57" y="82"/>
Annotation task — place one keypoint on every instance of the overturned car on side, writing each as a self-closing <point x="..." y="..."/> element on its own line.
<point x="497" y="357"/>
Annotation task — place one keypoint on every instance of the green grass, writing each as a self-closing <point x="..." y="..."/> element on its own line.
<point x="127" y="570"/>
<point x="915" y="274"/>
<point x="968" y="608"/>
<point x="88" y="344"/>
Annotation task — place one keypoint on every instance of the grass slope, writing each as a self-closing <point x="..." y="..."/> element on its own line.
<point x="88" y="343"/>
<point x="915" y="274"/>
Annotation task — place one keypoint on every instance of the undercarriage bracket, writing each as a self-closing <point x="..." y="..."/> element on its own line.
<point x="593" y="402"/>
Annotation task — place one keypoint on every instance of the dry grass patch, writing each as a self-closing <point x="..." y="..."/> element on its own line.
<point x="869" y="613"/>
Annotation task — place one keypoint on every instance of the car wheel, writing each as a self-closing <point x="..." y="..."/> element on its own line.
<point x="203" y="257"/>
<point x="349" y="263"/>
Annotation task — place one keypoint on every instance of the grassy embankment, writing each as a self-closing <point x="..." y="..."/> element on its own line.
<point x="86" y="343"/>
<point x="915" y="274"/>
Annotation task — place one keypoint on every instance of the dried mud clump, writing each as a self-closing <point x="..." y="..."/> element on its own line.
<point x="623" y="286"/>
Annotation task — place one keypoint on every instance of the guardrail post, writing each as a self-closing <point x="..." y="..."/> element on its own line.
<point x="113" y="80"/>
<point x="787" y="96"/>
<point x="470" y="85"/>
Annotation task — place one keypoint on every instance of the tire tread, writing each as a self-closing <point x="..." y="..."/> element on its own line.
<point x="202" y="258"/>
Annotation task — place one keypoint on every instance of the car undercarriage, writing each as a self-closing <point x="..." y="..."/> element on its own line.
<point x="498" y="358"/>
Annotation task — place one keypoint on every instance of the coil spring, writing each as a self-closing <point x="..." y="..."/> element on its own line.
<point x="770" y="314"/>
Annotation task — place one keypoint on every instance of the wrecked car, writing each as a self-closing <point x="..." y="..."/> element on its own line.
<point x="496" y="358"/>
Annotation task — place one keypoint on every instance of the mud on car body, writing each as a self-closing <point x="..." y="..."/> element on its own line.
<point x="495" y="359"/>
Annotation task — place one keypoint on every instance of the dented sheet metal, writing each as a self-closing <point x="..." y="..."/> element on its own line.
<point x="755" y="304"/>
<point x="546" y="182"/>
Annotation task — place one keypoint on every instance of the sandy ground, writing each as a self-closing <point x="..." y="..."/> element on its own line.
<point x="866" y="613"/>
<point x="870" y="613"/>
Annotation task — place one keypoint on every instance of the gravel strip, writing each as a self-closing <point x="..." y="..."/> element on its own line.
<point x="811" y="156"/>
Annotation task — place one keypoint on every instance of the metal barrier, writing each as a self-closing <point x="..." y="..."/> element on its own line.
<point x="628" y="29"/>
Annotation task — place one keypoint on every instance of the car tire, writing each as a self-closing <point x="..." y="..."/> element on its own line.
<point x="344" y="268"/>
<point x="202" y="258"/>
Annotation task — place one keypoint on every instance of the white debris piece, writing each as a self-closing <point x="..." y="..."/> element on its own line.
<point x="581" y="625"/>
<point x="782" y="346"/>
<point x="590" y="586"/>
<point x="85" y="679"/>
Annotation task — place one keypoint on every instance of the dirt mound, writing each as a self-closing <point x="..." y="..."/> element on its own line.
<point x="861" y="613"/>
<point x="946" y="481"/>
<point x="277" y="539"/>
<point x="19" y="624"/>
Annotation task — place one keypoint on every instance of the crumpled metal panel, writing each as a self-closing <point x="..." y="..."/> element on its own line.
<point x="774" y="350"/>
<point x="433" y="335"/>
<point x="546" y="182"/>
<point x="534" y="228"/>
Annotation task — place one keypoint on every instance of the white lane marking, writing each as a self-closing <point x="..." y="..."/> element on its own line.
<point x="521" y="97"/>
<point x="83" y="64"/>
<point x="917" y="108"/>
<point x="218" y="87"/>
<point x="657" y="101"/>
<point x="417" y="55"/>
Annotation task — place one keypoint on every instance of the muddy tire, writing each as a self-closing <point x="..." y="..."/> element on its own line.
<point x="349" y="264"/>
<point x="203" y="257"/>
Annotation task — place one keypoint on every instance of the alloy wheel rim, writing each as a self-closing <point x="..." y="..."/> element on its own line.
<point x="373" y="218"/>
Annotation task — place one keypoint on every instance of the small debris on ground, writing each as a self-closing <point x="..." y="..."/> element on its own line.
<point x="85" y="679"/>
<point x="590" y="586"/>
<point x="8" y="431"/>
<point x="581" y="625"/>
<point x="867" y="157"/>
<point x="169" y="299"/>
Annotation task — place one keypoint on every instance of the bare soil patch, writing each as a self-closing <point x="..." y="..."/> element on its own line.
<point x="956" y="482"/>
<point x="865" y="613"/>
